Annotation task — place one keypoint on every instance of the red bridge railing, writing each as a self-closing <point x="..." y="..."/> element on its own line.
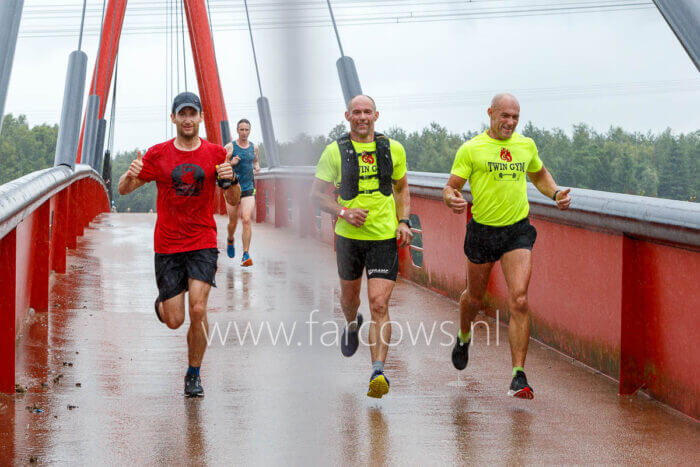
<point x="614" y="283"/>
<point x="41" y="214"/>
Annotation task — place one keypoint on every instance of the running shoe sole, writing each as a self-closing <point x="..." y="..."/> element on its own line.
<point x="246" y="263"/>
<point x="524" y="393"/>
<point x="378" y="387"/>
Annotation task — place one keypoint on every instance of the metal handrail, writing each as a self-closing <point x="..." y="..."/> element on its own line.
<point x="20" y="197"/>
<point x="638" y="216"/>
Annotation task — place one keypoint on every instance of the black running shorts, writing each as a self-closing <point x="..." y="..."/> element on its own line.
<point x="380" y="258"/>
<point x="173" y="270"/>
<point x="246" y="193"/>
<point x="486" y="244"/>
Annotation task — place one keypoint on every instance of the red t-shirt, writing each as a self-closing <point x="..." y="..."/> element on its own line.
<point x="186" y="182"/>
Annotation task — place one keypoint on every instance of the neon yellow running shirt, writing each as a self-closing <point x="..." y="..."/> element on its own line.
<point x="496" y="173"/>
<point x="381" y="220"/>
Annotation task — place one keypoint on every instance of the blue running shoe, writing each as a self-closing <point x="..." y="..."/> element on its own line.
<point x="230" y="249"/>
<point x="246" y="261"/>
<point x="378" y="385"/>
<point x="350" y="340"/>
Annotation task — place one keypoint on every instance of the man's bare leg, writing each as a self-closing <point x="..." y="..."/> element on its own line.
<point x="517" y="267"/>
<point x="350" y="298"/>
<point x="232" y="220"/>
<point x="246" y="211"/>
<point x="472" y="299"/>
<point x="470" y="302"/>
<point x="199" y="327"/>
<point x="379" y="292"/>
<point x="172" y="311"/>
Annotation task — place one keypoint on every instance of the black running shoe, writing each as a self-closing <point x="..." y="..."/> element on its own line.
<point x="519" y="387"/>
<point x="460" y="354"/>
<point x="351" y="340"/>
<point x="193" y="386"/>
<point x="158" y="302"/>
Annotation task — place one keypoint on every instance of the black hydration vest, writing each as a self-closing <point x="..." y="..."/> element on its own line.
<point x="350" y="168"/>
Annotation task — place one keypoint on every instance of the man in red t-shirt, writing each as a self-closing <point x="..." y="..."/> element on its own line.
<point x="185" y="170"/>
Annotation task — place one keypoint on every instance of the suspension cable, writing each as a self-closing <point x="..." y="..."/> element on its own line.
<point x="182" y="30"/>
<point x="177" y="44"/>
<point x="252" y="43"/>
<point x="337" y="36"/>
<point x="167" y="57"/>
<point x="110" y="138"/>
<point x="218" y="77"/>
<point x="111" y="43"/>
<point x="82" y="26"/>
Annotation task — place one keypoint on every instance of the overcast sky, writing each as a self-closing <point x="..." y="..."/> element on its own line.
<point x="600" y="62"/>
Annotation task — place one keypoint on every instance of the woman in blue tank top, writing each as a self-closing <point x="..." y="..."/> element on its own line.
<point x="244" y="159"/>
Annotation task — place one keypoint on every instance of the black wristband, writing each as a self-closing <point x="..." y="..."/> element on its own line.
<point x="554" y="196"/>
<point x="406" y="221"/>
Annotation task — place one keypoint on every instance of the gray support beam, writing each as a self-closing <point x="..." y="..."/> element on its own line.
<point x="684" y="18"/>
<point x="269" y="140"/>
<point x="90" y="132"/>
<point x="225" y="133"/>
<point x="349" y="80"/>
<point x="10" y="16"/>
<point x="98" y="153"/>
<point x="69" y="129"/>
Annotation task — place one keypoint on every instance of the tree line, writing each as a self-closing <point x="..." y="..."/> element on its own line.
<point x="665" y="165"/>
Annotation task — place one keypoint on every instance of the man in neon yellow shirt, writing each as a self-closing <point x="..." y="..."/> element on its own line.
<point x="495" y="163"/>
<point x="369" y="171"/>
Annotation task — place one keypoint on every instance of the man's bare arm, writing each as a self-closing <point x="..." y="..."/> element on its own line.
<point x="544" y="182"/>
<point x="130" y="181"/>
<point x="402" y="196"/>
<point x="328" y="203"/>
<point x="452" y="194"/>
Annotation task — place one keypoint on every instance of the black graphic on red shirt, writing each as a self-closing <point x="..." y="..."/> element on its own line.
<point x="187" y="179"/>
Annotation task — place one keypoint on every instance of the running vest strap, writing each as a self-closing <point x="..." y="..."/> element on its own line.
<point x="350" y="167"/>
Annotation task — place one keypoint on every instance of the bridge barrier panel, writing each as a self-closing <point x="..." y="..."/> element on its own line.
<point x="614" y="280"/>
<point x="41" y="215"/>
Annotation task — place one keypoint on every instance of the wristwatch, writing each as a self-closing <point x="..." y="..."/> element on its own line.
<point x="406" y="221"/>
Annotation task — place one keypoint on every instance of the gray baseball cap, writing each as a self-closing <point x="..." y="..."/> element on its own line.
<point x="186" y="99"/>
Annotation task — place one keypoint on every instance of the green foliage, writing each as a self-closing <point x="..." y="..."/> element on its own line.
<point x="142" y="199"/>
<point x="24" y="150"/>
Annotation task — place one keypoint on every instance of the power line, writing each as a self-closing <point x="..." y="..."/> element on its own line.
<point x="387" y="18"/>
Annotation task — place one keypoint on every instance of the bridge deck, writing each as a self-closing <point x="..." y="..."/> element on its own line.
<point x="301" y="402"/>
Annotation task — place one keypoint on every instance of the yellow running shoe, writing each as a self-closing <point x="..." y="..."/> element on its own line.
<point x="378" y="385"/>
